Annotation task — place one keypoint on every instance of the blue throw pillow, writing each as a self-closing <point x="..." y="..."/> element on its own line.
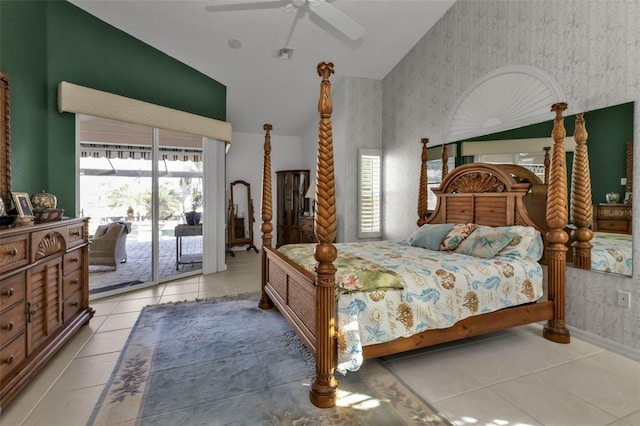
<point x="485" y="242"/>
<point x="430" y="236"/>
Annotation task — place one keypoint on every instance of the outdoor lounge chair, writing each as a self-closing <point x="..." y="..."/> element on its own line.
<point x="108" y="245"/>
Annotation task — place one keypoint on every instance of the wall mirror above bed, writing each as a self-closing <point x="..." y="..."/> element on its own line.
<point x="610" y="153"/>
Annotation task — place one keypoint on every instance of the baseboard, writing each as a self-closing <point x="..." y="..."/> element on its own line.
<point x="605" y="343"/>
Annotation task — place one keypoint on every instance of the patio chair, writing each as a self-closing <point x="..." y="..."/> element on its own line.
<point x="108" y="245"/>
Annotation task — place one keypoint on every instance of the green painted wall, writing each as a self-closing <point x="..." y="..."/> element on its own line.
<point x="45" y="42"/>
<point x="609" y="130"/>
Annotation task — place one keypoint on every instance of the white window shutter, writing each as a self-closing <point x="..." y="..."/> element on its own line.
<point x="369" y="193"/>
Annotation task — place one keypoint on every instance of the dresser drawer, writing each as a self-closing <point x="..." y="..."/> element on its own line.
<point x="72" y="306"/>
<point x="306" y="224"/>
<point x="12" y="290"/>
<point x="48" y="242"/>
<point x="14" y="252"/>
<point x="12" y="355"/>
<point x="12" y="322"/>
<point x="612" y="225"/>
<point x="72" y="283"/>
<point x="71" y="262"/>
<point x="75" y="235"/>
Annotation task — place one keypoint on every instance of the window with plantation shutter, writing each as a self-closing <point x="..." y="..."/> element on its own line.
<point x="369" y="193"/>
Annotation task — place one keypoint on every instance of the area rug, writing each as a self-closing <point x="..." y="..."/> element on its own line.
<point x="224" y="361"/>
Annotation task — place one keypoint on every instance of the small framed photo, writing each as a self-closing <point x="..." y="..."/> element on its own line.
<point x="23" y="204"/>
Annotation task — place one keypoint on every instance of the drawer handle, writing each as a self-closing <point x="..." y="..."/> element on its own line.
<point x="75" y="304"/>
<point x="9" y="360"/>
<point x="76" y="281"/>
<point x="14" y="252"/>
<point x="76" y="233"/>
<point x="9" y="326"/>
<point x="75" y="259"/>
<point x="10" y="292"/>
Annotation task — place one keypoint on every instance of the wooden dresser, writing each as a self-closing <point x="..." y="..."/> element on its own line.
<point x="612" y="218"/>
<point x="44" y="296"/>
<point x="306" y="230"/>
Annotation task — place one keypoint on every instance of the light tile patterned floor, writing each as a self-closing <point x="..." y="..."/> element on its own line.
<point x="507" y="378"/>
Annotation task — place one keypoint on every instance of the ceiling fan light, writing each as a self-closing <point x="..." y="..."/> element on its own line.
<point x="285" y="53"/>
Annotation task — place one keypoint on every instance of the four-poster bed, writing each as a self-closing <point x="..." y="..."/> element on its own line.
<point x="478" y="194"/>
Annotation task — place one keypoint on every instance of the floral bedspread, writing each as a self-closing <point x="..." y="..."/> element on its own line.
<point x="353" y="273"/>
<point x="612" y="253"/>
<point x="441" y="288"/>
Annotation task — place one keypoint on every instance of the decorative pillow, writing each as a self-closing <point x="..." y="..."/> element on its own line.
<point x="485" y="242"/>
<point x="527" y="244"/>
<point x="430" y="236"/>
<point x="457" y="235"/>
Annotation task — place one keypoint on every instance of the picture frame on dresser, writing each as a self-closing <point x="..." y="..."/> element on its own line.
<point x="22" y="203"/>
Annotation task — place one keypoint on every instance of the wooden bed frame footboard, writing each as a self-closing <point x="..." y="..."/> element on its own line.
<point x="308" y="302"/>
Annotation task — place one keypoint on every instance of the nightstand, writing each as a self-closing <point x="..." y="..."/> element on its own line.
<point x="612" y="218"/>
<point x="306" y="230"/>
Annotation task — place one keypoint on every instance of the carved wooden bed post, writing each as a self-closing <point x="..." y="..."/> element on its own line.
<point x="547" y="162"/>
<point x="581" y="204"/>
<point x="324" y="385"/>
<point x="266" y="212"/>
<point x="423" y="198"/>
<point x="445" y="161"/>
<point x="629" y="162"/>
<point x="555" y="329"/>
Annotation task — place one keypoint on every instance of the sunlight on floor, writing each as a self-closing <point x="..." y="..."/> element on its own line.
<point x="356" y="401"/>
<point x="465" y="420"/>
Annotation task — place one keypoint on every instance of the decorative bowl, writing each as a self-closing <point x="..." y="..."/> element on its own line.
<point x="48" y="215"/>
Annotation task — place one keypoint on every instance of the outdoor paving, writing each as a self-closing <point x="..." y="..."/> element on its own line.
<point x="138" y="265"/>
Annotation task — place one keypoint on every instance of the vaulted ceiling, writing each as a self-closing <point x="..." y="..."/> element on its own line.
<point x="237" y="43"/>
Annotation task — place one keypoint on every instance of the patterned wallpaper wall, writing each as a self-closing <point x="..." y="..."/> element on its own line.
<point x="363" y="130"/>
<point x="592" y="48"/>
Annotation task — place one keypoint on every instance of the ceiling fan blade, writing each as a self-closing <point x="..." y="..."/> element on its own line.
<point x="336" y="18"/>
<point x="231" y="5"/>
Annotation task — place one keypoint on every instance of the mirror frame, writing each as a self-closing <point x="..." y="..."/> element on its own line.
<point x="627" y="169"/>
<point x="232" y="240"/>
<point x="5" y="141"/>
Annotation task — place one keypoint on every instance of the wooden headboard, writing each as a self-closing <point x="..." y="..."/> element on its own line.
<point x="485" y="194"/>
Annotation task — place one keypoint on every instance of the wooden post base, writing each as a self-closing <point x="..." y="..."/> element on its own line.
<point x="324" y="395"/>
<point x="556" y="334"/>
<point x="265" y="301"/>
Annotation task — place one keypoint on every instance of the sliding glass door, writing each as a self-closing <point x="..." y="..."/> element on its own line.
<point x="180" y="199"/>
<point x="144" y="182"/>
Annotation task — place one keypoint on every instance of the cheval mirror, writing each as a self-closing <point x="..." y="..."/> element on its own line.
<point x="240" y="216"/>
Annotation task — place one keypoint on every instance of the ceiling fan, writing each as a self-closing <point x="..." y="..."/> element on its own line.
<point x="293" y="10"/>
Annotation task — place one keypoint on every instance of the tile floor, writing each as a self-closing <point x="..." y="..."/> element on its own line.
<point x="507" y="378"/>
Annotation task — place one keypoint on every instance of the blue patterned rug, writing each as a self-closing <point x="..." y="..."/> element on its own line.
<point x="226" y="362"/>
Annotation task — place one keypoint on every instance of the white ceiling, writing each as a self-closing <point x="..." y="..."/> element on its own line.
<point x="260" y="87"/>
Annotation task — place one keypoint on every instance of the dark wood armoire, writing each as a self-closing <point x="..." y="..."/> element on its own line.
<point x="292" y="186"/>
